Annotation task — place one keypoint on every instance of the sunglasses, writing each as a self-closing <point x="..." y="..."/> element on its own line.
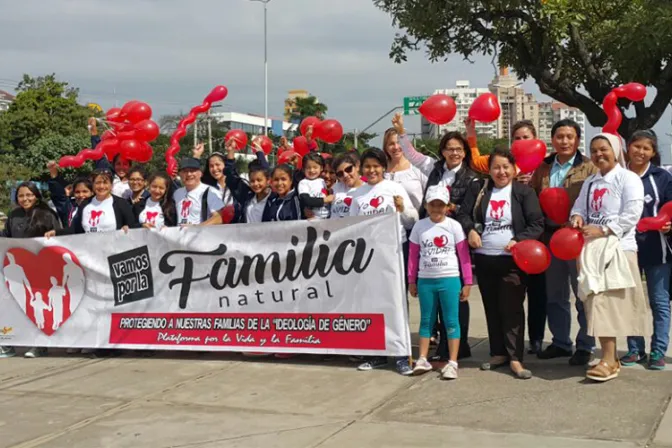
<point x="347" y="170"/>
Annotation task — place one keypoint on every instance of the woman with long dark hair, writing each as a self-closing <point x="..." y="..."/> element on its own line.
<point x="32" y="218"/>
<point x="157" y="210"/>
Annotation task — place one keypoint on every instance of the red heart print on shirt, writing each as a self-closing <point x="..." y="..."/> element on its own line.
<point x="325" y="191"/>
<point x="347" y="201"/>
<point x="94" y="219"/>
<point x="186" y="207"/>
<point x="598" y="198"/>
<point x="48" y="286"/>
<point x="375" y="202"/>
<point x="440" y="241"/>
<point x="497" y="209"/>
<point x="151" y="217"/>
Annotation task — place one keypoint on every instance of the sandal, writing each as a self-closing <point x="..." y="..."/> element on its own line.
<point x="603" y="372"/>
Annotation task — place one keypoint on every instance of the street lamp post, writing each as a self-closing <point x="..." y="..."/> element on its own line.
<point x="265" y="2"/>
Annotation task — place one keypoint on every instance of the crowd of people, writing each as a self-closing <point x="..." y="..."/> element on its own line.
<point x="456" y="210"/>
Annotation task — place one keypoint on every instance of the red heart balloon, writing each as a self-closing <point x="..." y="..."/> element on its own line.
<point x="301" y="145"/>
<point x="566" y="244"/>
<point x="555" y="204"/>
<point x="308" y="121"/>
<point x="529" y="154"/>
<point x="438" y="109"/>
<point x="531" y="256"/>
<point x="485" y="108"/>
<point x="239" y="136"/>
<point x="227" y="214"/>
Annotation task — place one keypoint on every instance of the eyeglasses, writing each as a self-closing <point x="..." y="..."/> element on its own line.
<point x="347" y="170"/>
<point x="136" y="179"/>
<point x="454" y="150"/>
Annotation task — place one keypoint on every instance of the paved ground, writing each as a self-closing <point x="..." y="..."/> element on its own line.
<point x="208" y="401"/>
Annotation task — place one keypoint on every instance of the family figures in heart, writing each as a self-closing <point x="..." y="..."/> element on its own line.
<point x="21" y="289"/>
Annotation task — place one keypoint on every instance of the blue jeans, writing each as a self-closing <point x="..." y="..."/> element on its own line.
<point x="658" y="287"/>
<point x="558" y="278"/>
<point x="446" y="291"/>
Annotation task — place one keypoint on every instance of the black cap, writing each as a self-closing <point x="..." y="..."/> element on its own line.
<point x="190" y="163"/>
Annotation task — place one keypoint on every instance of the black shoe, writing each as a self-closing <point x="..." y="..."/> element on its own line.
<point x="553" y="351"/>
<point x="464" y="352"/>
<point x="535" y="348"/>
<point x="580" y="358"/>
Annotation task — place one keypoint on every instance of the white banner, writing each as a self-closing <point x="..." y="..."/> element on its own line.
<point x="332" y="286"/>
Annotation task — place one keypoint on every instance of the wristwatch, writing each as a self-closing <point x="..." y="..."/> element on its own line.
<point x="605" y="230"/>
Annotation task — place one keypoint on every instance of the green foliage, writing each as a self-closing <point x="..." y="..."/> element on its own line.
<point x="43" y="106"/>
<point x="307" y="107"/>
<point x="575" y="50"/>
<point x="11" y="171"/>
<point x="51" y="146"/>
<point x="486" y="144"/>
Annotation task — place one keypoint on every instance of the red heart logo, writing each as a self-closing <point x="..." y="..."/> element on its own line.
<point x="151" y="217"/>
<point x="375" y="202"/>
<point x="440" y="241"/>
<point x="325" y="191"/>
<point x="529" y="154"/>
<point x="348" y="201"/>
<point x="48" y="286"/>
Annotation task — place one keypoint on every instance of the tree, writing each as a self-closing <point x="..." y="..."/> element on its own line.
<point x="10" y="172"/>
<point x="307" y="107"/>
<point x="43" y="106"/>
<point x="52" y="147"/>
<point x="575" y="50"/>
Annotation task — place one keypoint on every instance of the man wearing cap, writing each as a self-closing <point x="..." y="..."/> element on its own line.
<point x="195" y="202"/>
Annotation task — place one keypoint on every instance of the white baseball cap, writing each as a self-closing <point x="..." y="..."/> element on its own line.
<point x="438" y="193"/>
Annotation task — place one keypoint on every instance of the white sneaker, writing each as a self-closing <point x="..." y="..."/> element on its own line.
<point x="422" y="366"/>
<point x="36" y="352"/>
<point x="449" y="372"/>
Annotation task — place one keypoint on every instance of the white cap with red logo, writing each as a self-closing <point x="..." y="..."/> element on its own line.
<point x="437" y="193"/>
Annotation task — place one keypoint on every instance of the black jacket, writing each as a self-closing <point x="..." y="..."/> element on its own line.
<point x="282" y="209"/>
<point x="240" y="189"/>
<point x="463" y="179"/>
<point x="22" y="225"/>
<point x="528" y="220"/>
<point x="652" y="246"/>
<point x="123" y="213"/>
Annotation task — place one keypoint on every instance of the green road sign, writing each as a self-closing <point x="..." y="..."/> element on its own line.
<point x="411" y="104"/>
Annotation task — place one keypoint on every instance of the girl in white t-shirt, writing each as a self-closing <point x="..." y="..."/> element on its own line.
<point x="313" y="192"/>
<point x="438" y="252"/>
<point x="158" y="210"/>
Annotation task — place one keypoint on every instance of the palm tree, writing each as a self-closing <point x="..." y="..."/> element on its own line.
<point x="307" y="107"/>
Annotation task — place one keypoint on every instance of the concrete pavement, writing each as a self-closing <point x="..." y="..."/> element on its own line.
<point x="214" y="400"/>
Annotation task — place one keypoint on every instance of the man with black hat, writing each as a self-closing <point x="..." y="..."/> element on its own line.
<point x="195" y="202"/>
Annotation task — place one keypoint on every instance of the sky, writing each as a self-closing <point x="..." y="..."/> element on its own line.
<point x="170" y="53"/>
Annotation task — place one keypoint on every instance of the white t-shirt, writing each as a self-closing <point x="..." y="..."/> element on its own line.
<point x="414" y="182"/>
<point x="437" y="241"/>
<point x="224" y="194"/>
<point x="254" y="210"/>
<point x="498" y="228"/>
<point x="340" y="208"/>
<point x="377" y="199"/>
<point x="99" y="216"/>
<point x="120" y="188"/>
<point x="315" y="188"/>
<point x="615" y="200"/>
<point x="188" y="204"/>
<point x="152" y="214"/>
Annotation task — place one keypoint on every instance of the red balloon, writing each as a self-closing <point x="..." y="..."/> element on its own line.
<point x="227" y="214"/>
<point x="110" y="147"/>
<point x="266" y="144"/>
<point x="331" y="131"/>
<point x="127" y="135"/>
<point x="529" y="154"/>
<point x="614" y="115"/>
<point x="147" y="130"/>
<point x="107" y="135"/>
<point x="71" y="161"/>
<point x="145" y="153"/>
<point x="485" y="108"/>
<point x="633" y="91"/>
<point x="326" y="155"/>
<point x="653" y="224"/>
<point x="566" y="244"/>
<point x="666" y="209"/>
<point x="555" y="204"/>
<point x="531" y="256"/>
<point x="438" y="109"/>
<point x="287" y="156"/>
<point x="113" y="114"/>
<point x="301" y="145"/>
<point x="200" y="109"/>
<point x="309" y="121"/>
<point x="239" y="136"/>
<point x="130" y="149"/>
<point x="217" y="94"/>
<point x="136" y="111"/>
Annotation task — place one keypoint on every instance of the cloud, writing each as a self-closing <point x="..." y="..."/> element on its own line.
<point x="170" y="53"/>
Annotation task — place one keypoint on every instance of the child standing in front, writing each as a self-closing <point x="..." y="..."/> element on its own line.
<point x="313" y="192"/>
<point x="438" y="253"/>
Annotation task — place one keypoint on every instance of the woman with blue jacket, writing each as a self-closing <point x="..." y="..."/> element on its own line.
<point x="654" y="253"/>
